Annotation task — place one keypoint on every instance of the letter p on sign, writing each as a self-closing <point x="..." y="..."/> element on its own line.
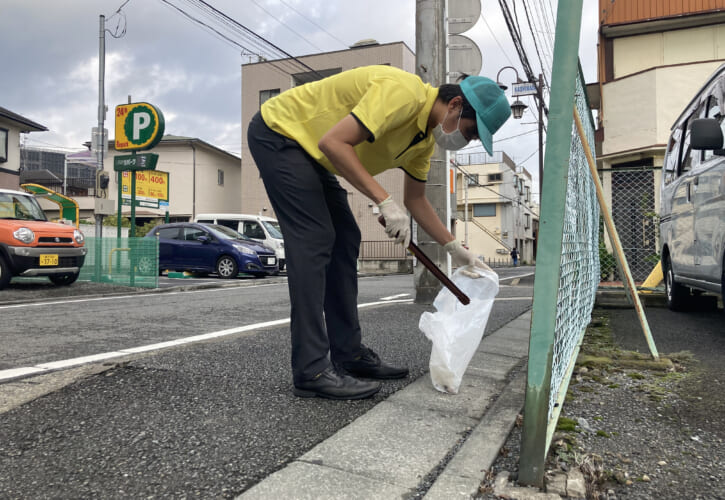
<point x="141" y="121"/>
<point x="139" y="126"/>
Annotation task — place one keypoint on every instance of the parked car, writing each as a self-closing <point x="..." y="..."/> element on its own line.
<point x="260" y="228"/>
<point x="692" y="205"/>
<point x="30" y="245"/>
<point x="211" y="248"/>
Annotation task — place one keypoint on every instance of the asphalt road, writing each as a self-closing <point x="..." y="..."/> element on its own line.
<point x="207" y="419"/>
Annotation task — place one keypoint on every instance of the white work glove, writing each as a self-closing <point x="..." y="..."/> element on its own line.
<point x="460" y="257"/>
<point x="397" y="222"/>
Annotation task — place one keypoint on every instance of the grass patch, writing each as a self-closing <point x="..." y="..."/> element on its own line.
<point x="566" y="425"/>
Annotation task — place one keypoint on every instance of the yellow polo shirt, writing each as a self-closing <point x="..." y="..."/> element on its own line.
<point x="392" y="104"/>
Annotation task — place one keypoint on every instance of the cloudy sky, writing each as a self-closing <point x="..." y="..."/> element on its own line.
<point x="50" y="59"/>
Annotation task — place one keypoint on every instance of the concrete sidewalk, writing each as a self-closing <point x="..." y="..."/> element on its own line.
<point x="419" y="435"/>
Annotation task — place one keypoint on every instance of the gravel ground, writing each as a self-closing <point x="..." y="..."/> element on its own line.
<point x="638" y="432"/>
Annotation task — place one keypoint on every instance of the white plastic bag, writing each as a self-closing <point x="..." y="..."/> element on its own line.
<point x="455" y="329"/>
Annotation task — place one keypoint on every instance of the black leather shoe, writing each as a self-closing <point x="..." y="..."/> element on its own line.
<point x="331" y="385"/>
<point x="367" y="364"/>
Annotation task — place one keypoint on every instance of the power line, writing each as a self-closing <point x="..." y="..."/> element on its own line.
<point x="496" y="40"/>
<point x="344" y="44"/>
<point x="511" y="25"/>
<point x="251" y="42"/>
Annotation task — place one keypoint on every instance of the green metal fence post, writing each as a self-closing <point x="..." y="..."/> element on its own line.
<point x="551" y="227"/>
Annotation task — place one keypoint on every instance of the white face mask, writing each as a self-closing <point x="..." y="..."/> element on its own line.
<point x="452" y="141"/>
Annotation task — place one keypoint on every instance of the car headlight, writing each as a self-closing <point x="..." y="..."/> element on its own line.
<point x="78" y="236"/>
<point x="245" y="250"/>
<point x="25" y="235"/>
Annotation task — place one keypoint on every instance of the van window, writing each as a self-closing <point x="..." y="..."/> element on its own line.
<point x="205" y="221"/>
<point x="687" y="153"/>
<point x="230" y="223"/>
<point x="713" y="111"/>
<point x="273" y="229"/>
<point x="673" y="153"/>
<point x="253" y="230"/>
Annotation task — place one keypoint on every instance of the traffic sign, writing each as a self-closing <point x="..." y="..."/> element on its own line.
<point x="139" y="126"/>
<point x="143" y="161"/>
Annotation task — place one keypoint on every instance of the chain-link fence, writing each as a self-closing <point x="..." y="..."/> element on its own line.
<point x="122" y="261"/>
<point x="632" y="195"/>
<point x="567" y="271"/>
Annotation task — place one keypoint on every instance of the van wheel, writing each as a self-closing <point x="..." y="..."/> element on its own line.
<point x="63" y="279"/>
<point x="226" y="267"/>
<point x="722" y="285"/>
<point x="677" y="295"/>
<point x="5" y="273"/>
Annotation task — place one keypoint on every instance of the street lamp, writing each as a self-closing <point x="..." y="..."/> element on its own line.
<point x="518" y="108"/>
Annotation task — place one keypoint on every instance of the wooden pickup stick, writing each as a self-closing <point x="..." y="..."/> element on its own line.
<point x="430" y="265"/>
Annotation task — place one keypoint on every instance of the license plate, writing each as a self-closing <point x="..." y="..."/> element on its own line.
<point x="48" y="260"/>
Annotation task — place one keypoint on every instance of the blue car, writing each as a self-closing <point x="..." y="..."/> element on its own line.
<point x="210" y="248"/>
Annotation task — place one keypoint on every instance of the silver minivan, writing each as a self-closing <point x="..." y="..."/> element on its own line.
<point x="692" y="205"/>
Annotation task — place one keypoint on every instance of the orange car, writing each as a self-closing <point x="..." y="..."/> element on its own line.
<point x="30" y="245"/>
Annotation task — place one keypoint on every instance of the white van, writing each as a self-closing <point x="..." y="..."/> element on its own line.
<point x="692" y="208"/>
<point x="257" y="227"/>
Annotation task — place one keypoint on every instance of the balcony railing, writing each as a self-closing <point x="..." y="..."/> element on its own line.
<point x="383" y="250"/>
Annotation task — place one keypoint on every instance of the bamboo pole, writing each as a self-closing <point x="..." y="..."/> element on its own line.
<point x="614" y="238"/>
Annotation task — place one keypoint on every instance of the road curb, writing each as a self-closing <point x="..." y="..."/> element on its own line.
<point x="405" y="441"/>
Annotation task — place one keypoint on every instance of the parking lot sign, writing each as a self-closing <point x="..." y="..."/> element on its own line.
<point x="139" y="126"/>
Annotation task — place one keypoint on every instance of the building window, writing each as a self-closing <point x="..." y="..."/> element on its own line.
<point x="472" y="179"/>
<point x="484" y="210"/>
<point x="3" y="145"/>
<point x="220" y="177"/>
<point x="267" y="94"/>
<point x="495" y="177"/>
<point x="312" y="76"/>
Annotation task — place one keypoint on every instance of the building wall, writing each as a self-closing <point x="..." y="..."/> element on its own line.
<point x="186" y="167"/>
<point x="641" y="108"/>
<point x="493" y="236"/>
<point x="271" y="75"/>
<point x="612" y="12"/>
<point x="8" y="177"/>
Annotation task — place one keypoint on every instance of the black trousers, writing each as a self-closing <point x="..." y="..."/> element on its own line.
<point x="322" y="242"/>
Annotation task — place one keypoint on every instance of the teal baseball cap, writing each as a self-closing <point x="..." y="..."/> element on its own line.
<point x="491" y="106"/>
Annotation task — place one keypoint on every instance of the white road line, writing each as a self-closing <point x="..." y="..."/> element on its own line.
<point x="132" y="296"/>
<point x="392" y="297"/>
<point x="517" y="276"/>
<point x="94" y="358"/>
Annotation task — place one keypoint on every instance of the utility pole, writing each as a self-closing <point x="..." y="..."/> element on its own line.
<point x="540" y="99"/>
<point x="100" y="138"/>
<point x="431" y="31"/>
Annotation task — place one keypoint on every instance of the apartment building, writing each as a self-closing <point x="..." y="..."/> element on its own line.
<point x="265" y="79"/>
<point x="202" y="179"/>
<point x="11" y="126"/>
<point x="495" y="210"/>
<point x="653" y="57"/>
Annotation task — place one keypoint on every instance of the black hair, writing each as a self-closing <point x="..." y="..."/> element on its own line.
<point x="448" y="91"/>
